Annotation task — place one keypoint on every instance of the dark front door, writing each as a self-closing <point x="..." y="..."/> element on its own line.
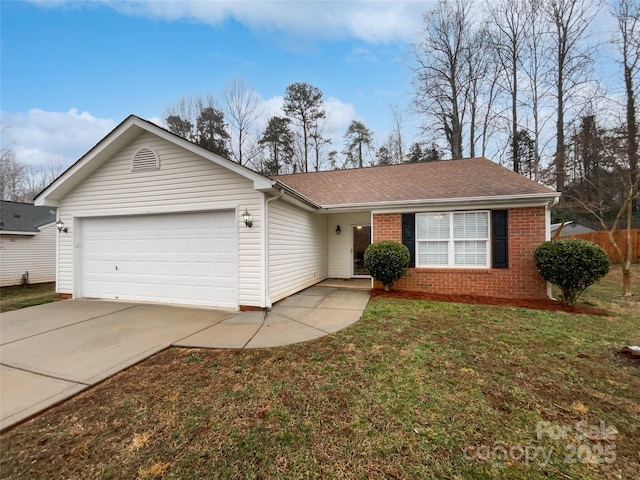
<point x="361" y="239"/>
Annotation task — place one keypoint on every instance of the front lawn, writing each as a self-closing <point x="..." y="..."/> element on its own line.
<point x="13" y="298"/>
<point x="416" y="389"/>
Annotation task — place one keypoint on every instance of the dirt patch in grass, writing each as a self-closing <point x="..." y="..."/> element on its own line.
<point x="537" y="304"/>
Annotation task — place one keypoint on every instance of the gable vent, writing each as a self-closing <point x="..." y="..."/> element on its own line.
<point x="145" y="159"/>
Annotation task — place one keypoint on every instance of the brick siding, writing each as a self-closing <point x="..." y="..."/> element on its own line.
<point x="520" y="280"/>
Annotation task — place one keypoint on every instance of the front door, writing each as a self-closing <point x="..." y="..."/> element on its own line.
<point x="360" y="240"/>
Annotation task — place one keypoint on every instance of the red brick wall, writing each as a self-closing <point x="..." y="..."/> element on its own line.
<point x="520" y="280"/>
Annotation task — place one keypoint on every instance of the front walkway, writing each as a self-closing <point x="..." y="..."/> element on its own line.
<point x="312" y="313"/>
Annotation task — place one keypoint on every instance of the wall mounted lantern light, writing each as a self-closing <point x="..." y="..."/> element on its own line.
<point x="61" y="227"/>
<point x="246" y="217"/>
<point x="338" y="230"/>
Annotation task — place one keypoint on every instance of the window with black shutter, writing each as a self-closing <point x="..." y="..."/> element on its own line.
<point x="500" y="239"/>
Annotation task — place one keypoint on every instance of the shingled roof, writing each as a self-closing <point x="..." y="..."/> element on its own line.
<point x="24" y="217"/>
<point x="449" y="179"/>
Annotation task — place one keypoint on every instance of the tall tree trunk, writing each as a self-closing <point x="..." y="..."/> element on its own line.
<point x="632" y="130"/>
<point x="559" y="159"/>
<point x="514" y="116"/>
<point x="626" y="262"/>
<point x="306" y="146"/>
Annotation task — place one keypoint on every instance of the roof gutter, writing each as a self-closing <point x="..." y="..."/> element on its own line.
<point x="543" y="198"/>
<point x="297" y="195"/>
<point x="17" y="232"/>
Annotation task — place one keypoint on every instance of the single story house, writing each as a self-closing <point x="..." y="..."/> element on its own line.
<point x="27" y="244"/>
<point x="569" y="228"/>
<point x="150" y="216"/>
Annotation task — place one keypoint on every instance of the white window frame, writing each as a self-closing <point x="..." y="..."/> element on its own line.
<point x="451" y="241"/>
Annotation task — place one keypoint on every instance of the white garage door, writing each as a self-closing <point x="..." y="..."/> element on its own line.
<point x="185" y="258"/>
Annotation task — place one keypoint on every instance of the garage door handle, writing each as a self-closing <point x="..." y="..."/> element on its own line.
<point x="116" y="267"/>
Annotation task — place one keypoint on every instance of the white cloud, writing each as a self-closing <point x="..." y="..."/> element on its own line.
<point x="370" y="21"/>
<point x="39" y="137"/>
<point x="339" y="116"/>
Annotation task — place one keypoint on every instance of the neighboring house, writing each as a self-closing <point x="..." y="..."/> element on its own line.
<point x="27" y="244"/>
<point x="570" y="228"/>
<point x="154" y="217"/>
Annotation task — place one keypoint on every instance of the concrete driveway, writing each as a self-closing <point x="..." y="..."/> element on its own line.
<point x="51" y="352"/>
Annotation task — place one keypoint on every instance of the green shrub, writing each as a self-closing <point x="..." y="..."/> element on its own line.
<point x="572" y="265"/>
<point x="387" y="261"/>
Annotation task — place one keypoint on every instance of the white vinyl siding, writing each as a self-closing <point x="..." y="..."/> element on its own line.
<point x="297" y="249"/>
<point x="35" y="254"/>
<point x="185" y="182"/>
<point x="340" y="259"/>
<point x="453" y="239"/>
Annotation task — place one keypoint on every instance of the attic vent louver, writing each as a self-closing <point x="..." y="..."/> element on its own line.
<point x="145" y="159"/>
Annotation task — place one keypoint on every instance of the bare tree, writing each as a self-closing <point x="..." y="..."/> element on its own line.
<point x="20" y="182"/>
<point x="13" y="176"/>
<point x="509" y="20"/>
<point x="39" y="177"/>
<point x="627" y="15"/>
<point x="489" y="116"/>
<point x="479" y="83"/>
<point x="396" y="141"/>
<point x="569" y="21"/>
<point x="534" y="66"/>
<point x="318" y="142"/>
<point x="243" y="109"/>
<point x="595" y="205"/>
<point x="441" y="76"/>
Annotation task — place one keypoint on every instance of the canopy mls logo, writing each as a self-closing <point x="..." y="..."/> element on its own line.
<point x="580" y="443"/>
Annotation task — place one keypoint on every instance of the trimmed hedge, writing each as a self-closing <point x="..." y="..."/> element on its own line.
<point x="571" y="264"/>
<point x="387" y="261"/>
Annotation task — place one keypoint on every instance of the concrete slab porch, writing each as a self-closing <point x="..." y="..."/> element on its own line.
<point x="312" y="313"/>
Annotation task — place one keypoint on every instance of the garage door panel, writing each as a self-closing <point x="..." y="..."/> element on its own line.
<point x="186" y="258"/>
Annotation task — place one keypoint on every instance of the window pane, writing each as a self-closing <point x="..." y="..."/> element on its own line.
<point x="471" y="225"/>
<point x="433" y="253"/>
<point x="470" y="253"/>
<point x="433" y="226"/>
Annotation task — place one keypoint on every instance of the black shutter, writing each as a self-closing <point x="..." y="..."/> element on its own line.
<point x="500" y="239"/>
<point x="409" y="235"/>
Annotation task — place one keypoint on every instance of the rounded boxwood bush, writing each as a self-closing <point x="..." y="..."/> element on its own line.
<point x="387" y="261"/>
<point x="572" y="265"/>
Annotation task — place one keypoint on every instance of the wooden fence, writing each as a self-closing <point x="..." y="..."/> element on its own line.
<point x="602" y="239"/>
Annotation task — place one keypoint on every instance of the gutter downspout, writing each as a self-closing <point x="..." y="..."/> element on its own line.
<point x="267" y="300"/>
<point x="547" y="235"/>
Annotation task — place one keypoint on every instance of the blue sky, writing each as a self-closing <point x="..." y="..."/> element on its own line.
<point x="73" y="70"/>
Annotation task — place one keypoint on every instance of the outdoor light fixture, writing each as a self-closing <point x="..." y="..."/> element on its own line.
<point x="246" y="216"/>
<point x="61" y="227"/>
<point x="338" y="230"/>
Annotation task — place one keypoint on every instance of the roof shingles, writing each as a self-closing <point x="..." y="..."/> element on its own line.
<point x="24" y="217"/>
<point x="449" y="179"/>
